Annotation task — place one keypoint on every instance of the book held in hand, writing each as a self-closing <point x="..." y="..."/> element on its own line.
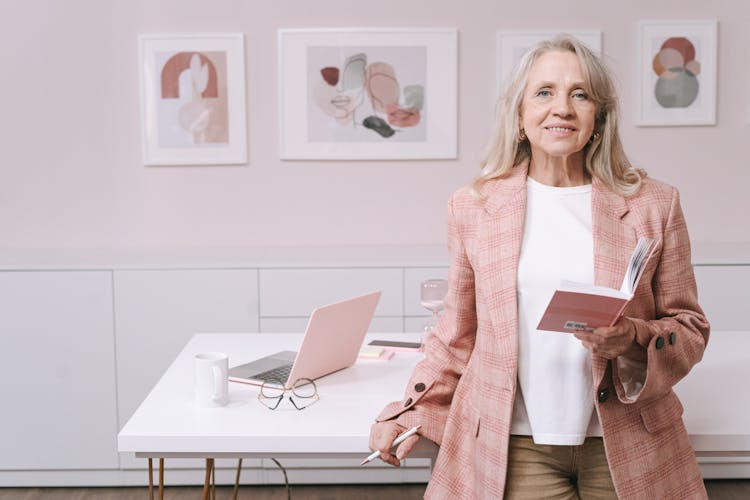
<point x="580" y="306"/>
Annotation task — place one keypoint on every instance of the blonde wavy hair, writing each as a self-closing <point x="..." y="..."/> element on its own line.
<point x="604" y="154"/>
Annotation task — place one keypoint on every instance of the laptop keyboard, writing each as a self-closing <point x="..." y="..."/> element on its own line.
<point x="281" y="374"/>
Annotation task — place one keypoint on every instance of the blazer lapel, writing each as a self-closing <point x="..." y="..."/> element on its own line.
<point x="614" y="241"/>
<point x="501" y="247"/>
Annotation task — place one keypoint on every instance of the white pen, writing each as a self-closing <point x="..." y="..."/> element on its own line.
<point x="400" y="439"/>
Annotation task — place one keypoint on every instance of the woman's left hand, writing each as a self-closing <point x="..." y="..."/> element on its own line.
<point x="612" y="341"/>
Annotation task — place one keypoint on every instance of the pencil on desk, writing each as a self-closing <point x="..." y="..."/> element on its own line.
<point x="399" y="439"/>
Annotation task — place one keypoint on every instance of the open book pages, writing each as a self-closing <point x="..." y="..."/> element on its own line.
<point x="638" y="259"/>
<point x="605" y="291"/>
<point x="581" y="306"/>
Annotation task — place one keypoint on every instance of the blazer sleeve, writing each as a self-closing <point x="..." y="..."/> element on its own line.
<point x="429" y="392"/>
<point x="676" y="338"/>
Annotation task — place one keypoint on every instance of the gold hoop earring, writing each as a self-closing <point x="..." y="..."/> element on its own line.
<point x="594" y="137"/>
<point x="521" y="135"/>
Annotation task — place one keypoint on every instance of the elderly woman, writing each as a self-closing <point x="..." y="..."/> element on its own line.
<point x="523" y="413"/>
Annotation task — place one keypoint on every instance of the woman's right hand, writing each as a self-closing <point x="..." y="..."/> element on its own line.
<point x="382" y="435"/>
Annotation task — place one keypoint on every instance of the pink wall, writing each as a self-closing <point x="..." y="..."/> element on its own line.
<point x="71" y="172"/>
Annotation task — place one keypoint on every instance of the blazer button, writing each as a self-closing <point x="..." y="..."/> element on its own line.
<point x="603" y="395"/>
<point x="672" y="338"/>
<point x="659" y="342"/>
<point x="420" y="387"/>
<point x="408" y="402"/>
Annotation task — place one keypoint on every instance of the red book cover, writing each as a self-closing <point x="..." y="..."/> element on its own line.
<point x="578" y="306"/>
<point x="569" y="311"/>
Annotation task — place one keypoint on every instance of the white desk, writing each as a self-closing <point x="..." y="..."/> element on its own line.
<point x="167" y="424"/>
<point x="717" y="409"/>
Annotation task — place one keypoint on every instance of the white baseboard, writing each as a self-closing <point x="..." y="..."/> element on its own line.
<point x="269" y="474"/>
<point x="732" y="467"/>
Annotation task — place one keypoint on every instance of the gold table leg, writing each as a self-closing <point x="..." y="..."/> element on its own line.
<point x="209" y="483"/>
<point x="213" y="480"/>
<point x="150" y="478"/>
<point x="207" y="480"/>
<point x="161" y="479"/>
<point x="237" y="479"/>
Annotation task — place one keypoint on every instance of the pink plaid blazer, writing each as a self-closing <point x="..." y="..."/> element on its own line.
<point x="462" y="393"/>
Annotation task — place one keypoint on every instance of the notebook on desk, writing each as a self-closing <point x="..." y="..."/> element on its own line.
<point x="331" y="342"/>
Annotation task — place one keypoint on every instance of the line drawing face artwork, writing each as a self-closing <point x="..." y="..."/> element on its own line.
<point x="677" y="85"/>
<point x="192" y="104"/>
<point x="366" y="94"/>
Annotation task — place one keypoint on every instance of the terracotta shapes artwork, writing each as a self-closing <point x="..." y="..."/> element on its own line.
<point x="367" y="93"/>
<point x="190" y="84"/>
<point x="193" y="102"/>
<point x="677" y="62"/>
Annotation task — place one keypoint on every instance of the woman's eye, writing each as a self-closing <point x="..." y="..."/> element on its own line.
<point x="580" y="95"/>
<point x="543" y="93"/>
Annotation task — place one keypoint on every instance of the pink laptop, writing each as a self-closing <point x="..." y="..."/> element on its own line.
<point x="332" y="341"/>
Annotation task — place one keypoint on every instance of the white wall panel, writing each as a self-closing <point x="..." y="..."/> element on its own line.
<point x="724" y="295"/>
<point x="292" y="325"/>
<point x="57" y="371"/>
<point x="296" y="292"/>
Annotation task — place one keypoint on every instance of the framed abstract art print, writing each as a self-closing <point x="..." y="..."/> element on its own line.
<point x="193" y="99"/>
<point x="367" y="94"/>
<point x="677" y="72"/>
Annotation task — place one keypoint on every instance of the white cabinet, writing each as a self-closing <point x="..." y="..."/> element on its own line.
<point x="298" y="324"/>
<point x="57" y="371"/>
<point x="157" y="311"/>
<point x="288" y="296"/>
<point x="724" y="295"/>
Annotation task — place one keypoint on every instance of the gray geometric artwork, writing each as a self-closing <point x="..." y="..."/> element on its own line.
<point x="675" y="64"/>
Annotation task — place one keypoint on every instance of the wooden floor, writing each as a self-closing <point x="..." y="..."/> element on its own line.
<point x="717" y="490"/>
<point x="317" y="492"/>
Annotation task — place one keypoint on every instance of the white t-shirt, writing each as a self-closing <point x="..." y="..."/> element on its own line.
<point x="555" y="400"/>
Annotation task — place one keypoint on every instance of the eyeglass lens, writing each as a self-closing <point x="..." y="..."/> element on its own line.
<point x="304" y="389"/>
<point x="272" y="389"/>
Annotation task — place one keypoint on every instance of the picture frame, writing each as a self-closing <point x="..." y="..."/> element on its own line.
<point x="677" y="64"/>
<point x="367" y="93"/>
<point x="193" y="99"/>
<point x="511" y="45"/>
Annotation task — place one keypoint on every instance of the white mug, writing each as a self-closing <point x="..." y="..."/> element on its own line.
<point x="211" y="383"/>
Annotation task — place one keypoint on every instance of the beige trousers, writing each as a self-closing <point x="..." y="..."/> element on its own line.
<point x="538" y="471"/>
